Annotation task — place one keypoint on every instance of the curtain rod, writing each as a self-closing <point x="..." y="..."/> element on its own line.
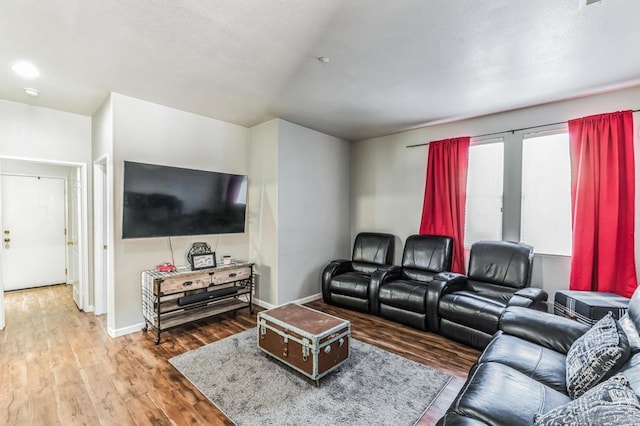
<point x="507" y="131"/>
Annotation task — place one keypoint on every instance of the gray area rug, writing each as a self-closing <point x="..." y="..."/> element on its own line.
<point x="374" y="387"/>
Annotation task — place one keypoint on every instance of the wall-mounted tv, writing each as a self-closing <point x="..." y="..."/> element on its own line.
<point x="163" y="201"/>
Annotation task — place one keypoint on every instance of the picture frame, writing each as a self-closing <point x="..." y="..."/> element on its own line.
<point x="203" y="261"/>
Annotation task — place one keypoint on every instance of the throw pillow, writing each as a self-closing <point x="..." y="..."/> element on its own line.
<point x="612" y="402"/>
<point x="631" y="332"/>
<point x="596" y="355"/>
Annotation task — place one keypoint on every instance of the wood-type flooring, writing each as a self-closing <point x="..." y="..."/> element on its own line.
<point x="58" y="366"/>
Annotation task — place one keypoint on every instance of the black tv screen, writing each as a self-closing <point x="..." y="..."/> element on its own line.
<point x="163" y="201"/>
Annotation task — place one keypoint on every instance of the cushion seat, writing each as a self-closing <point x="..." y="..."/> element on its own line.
<point x="355" y="284"/>
<point x="500" y="395"/>
<point x="472" y="310"/>
<point x="538" y="362"/>
<point x="404" y="294"/>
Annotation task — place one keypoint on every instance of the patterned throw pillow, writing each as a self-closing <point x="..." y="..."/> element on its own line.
<point x="596" y="355"/>
<point x="631" y="332"/>
<point x="612" y="402"/>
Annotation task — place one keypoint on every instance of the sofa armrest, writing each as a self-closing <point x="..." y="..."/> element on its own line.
<point x="332" y="269"/>
<point x="379" y="278"/>
<point x="442" y="283"/>
<point x="545" y="329"/>
<point x="528" y="297"/>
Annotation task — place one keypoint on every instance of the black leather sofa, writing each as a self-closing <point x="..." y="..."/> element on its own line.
<point x="467" y="308"/>
<point x="402" y="294"/>
<point x="522" y="371"/>
<point x="348" y="283"/>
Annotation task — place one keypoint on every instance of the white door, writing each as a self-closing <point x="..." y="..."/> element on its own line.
<point x="73" y="254"/>
<point x="33" y="231"/>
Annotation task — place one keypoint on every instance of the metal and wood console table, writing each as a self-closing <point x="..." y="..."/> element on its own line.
<point x="174" y="298"/>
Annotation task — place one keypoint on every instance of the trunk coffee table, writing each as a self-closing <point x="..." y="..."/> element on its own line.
<point x="312" y="342"/>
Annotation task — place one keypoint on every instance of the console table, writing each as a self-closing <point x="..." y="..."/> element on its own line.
<point x="174" y="298"/>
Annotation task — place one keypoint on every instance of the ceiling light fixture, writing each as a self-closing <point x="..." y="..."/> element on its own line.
<point x="25" y="69"/>
<point x="31" y="92"/>
<point x="323" y="59"/>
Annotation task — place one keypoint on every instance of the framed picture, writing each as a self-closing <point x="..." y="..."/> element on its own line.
<point x="203" y="261"/>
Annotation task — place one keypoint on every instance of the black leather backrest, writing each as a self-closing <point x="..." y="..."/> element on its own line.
<point x="372" y="249"/>
<point x="634" y="308"/>
<point x="426" y="255"/>
<point x="504" y="263"/>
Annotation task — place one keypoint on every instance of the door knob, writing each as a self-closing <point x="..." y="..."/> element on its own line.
<point x="70" y="243"/>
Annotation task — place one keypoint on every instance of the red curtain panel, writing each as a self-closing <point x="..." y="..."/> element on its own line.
<point x="445" y="194"/>
<point x="602" y="203"/>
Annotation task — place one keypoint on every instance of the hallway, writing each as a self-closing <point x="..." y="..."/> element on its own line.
<point x="58" y="366"/>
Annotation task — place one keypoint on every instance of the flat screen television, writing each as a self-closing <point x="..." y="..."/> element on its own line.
<point x="163" y="201"/>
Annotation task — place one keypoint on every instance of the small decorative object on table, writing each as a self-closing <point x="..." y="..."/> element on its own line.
<point x="226" y="260"/>
<point x="200" y="256"/>
<point x="166" y="267"/>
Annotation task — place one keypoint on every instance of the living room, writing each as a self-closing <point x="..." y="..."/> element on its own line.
<point x="311" y="191"/>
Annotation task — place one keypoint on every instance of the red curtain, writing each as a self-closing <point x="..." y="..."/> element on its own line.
<point x="445" y="194"/>
<point x="602" y="203"/>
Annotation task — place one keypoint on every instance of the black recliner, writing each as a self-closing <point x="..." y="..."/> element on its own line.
<point x="468" y="308"/>
<point x="347" y="283"/>
<point x="402" y="296"/>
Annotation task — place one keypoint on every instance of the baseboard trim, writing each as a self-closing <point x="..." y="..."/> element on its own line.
<point x="308" y="299"/>
<point x="117" y="332"/>
<point x="263" y="304"/>
<point x="302" y="301"/>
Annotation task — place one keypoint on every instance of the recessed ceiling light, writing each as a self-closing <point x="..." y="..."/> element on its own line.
<point x="25" y="69"/>
<point x="31" y="92"/>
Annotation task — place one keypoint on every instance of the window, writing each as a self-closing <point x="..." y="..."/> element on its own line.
<point x="546" y="194"/>
<point x="483" y="219"/>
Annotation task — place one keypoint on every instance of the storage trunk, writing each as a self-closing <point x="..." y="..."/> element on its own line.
<point x="588" y="307"/>
<point x="312" y="342"/>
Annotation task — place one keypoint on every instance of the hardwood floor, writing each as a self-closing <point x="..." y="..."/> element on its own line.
<point x="58" y="365"/>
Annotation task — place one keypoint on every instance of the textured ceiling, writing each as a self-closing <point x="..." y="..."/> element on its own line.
<point x="394" y="65"/>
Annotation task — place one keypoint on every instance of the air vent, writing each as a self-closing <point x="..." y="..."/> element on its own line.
<point x="585" y="3"/>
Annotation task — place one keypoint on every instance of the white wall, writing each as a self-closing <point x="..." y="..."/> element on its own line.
<point x="313" y="206"/>
<point x="299" y="208"/>
<point x="151" y="133"/>
<point x="388" y="178"/>
<point x="263" y="208"/>
<point x="36" y="133"/>
<point x="102" y="130"/>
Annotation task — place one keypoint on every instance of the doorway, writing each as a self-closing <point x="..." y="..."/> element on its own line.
<point x="103" y="240"/>
<point x="31" y="190"/>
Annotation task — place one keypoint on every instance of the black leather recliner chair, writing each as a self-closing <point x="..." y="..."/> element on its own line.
<point x="347" y="283"/>
<point x="468" y="308"/>
<point x="402" y="296"/>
